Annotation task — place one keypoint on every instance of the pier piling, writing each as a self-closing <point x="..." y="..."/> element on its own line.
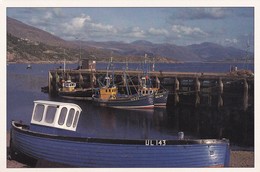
<point x="210" y="89"/>
<point x="176" y="89"/>
<point x="221" y="87"/>
<point x="245" y="95"/>
<point x="197" y="90"/>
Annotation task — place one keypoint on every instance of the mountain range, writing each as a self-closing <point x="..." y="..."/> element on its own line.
<point x="27" y="43"/>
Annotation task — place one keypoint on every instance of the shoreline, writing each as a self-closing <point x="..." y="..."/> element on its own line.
<point x="239" y="157"/>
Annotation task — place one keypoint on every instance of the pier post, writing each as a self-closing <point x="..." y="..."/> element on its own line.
<point x="220" y="100"/>
<point x="81" y="80"/>
<point x="245" y="98"/>
<point x="197" y="90"/>
<point x="176" y="89"/>
<point x="158" y="82"/>
<point x="50" y="83"/>
<point x="57" y="80"/>
<point x="93" y="80"/>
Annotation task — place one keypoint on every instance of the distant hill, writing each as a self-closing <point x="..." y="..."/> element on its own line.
<point x="214" y="52"/>
<point x="27" y="43"/>
<point x="21" y="30"/>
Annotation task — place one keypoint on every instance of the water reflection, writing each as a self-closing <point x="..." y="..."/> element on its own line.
<point x="234" y="124"/>
<point x="117" y="123"/>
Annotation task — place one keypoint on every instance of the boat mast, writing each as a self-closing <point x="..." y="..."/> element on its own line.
<point x="125" y="78"/>
<point x="247" y="55"/>
<point x="64" y="63"/>
<point x="113" y="72"/>
<point x="107" y="78"/>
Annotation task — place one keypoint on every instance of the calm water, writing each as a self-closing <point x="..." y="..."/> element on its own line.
<point x="24" y="86"/>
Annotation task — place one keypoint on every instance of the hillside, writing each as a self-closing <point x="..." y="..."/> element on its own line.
<point x="21" y="30"/>
<point x="29" y="44"/>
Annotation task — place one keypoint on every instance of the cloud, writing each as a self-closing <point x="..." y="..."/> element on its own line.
<point x="99" y="27"/>
<point x="162" y="32"/>
<point x="79" y="22"/>
<point x="231" y="41"/>
<point x="51" y="13"/>
<point x="58" y="12"/>
<point x="74" y="26"/>
<point x="180" y="30"/>
<point x="135" y="32"/>
<point x="48" y="15"/>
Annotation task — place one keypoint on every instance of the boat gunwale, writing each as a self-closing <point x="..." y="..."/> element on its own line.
<point x="122" y="99"/>
<point x="22" y="128"/>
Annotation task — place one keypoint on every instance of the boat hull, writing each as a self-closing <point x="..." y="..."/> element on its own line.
<point x="160" y="98"/>
<point x="90" y="152"/>
<point x="78" y="94"/>
<point x="133" y="102"/>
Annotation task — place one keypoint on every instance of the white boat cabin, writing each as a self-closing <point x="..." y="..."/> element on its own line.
<point x="56" y="114"/>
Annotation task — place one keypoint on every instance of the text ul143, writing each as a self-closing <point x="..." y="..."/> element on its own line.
<point x="155" y="142"/>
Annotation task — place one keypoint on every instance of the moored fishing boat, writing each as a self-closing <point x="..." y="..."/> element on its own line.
<point x="69" y="91"/>
<point x="160" y="95"/>
<point x="108" y="96"/>
<point x="52" y="136"/>
<point x="147" y="88"/>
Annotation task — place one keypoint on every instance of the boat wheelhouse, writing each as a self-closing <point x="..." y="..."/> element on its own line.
<point x="57" y="115"/>
<point x="69" y="91"/>
<point x="68" y="86"/>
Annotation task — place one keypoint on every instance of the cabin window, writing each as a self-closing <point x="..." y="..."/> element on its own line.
<point x="70" y="117"/>
<point x="50" y="114"/>
<point x="38" y="113"/>
<point x="76" y="119"/>
<point x="62" y="117"/>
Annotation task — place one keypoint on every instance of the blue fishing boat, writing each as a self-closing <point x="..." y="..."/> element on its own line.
<point x="108" y="96"/>
<point x="52" y="136"/>
<point x="160" y="95"/>
<point x="147" y="88"/>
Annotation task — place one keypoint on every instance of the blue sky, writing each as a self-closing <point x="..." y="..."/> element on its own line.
<point x="180" y="26"/>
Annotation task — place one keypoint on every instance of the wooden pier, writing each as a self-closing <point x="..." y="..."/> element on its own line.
<point x="210" y="89"/>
